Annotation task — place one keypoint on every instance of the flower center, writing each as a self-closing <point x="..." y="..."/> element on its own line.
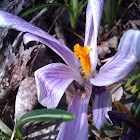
<point x="83" y="54"/>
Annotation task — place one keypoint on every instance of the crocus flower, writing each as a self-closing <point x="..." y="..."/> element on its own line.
<point x="118" y="117"/>
<point x="123" y="115"/>
<point x="52" y="80"/>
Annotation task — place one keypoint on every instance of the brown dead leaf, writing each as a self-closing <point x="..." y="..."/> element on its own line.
<point x="104" y="48"/>
<point x="13" y="69"/>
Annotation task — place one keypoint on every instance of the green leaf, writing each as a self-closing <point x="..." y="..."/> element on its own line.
<point x="66" y="3"/>
<point x="74" y="14"/>
<point x="136" y="107"/>
<point x="119" y="3"/>
<point x="136" y="75"/>
<point x="136" y="87"/>
<point x="137" y="102"/>
<point x="135" y="112"/>
<point x="108" y="129"/>
<point x="81" y="8"/>
<point x="4" y="137"/>
<point x="71" y="4"/>
<point x="49" y="115"/>
<point x="110" y="12"/>
<point x="4" y="128"/>
<point x="124" y="131"/>
<point x="41" y="6"/>
<point x="80" y="3"/>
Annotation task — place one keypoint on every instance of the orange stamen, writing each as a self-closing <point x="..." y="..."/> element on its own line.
<point x="83" y="54"/>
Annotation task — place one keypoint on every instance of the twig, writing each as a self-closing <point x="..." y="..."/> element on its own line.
<point x="13" y="134"/>
<point x="106" y="60"/>
<point x="108" y="138"/>
<point x="56" y="19"/>
<point x="115" y="131"/>
<point x="11" y="116"/>
<point x="75" y="34"/>
<point x="4" y="109"/>
<point x="31" y="64"/>
<point x="96" y="133"/>
<point x="129" y="88"/>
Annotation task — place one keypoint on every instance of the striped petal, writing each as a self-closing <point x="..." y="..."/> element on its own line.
<point x="93" y="18"/>
<point x="101" y="105"/>
<point x="77" y="129"/>
<point x="12" y="21"/>
<point x="64" y="52"/>
<point x="121" y="64"/>
<point x="52" y="81"/>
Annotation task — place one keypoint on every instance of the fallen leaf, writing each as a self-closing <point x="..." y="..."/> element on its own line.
<point x="26" y="98"/>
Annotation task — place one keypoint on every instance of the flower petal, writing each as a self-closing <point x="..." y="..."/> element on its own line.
<point x="52" y="81"/>
<point x="64" y="52"/>
<point x="93" y="18"/>
<point x="130" y="135"/>
<point x="118" y="117"/>
<point x="101" y="105"/>
<point x="77" y="129"/>
<point x="12" y="21"/>
<point x="121" y="64"/>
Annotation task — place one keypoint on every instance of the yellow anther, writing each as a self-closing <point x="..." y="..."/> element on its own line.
<point x="83" y="54"/>
<point x="64" y="79"/>
<point x="65" y="69"/>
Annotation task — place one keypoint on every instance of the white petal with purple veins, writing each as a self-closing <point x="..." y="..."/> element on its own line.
<point x="78" y="128"/>
<point x="64" y="52"/>
<point x="89" y="31"/>
<point x="121" y="64"/>
<point x="12" y="21"/>
<point x="93" y="18"/>
<point x="52" y="81"/>
<point x="101" y="105"/>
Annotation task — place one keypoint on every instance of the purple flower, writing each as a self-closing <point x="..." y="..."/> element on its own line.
<point x="52" y="80"/>
<point x="118" y="118"/>
<point x="123" y="115"/>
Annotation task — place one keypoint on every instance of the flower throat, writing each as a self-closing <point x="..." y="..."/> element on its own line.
<point x="83" y="54"/>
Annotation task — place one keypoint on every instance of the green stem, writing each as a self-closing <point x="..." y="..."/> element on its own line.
<point x="75" y="7"/>
<point x="74" y="15"/>
<point x="73" y="21"/>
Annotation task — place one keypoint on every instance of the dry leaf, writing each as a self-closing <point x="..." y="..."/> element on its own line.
<point x="13" y="69"/>
<point x="26" y="98"/>
<point x="104" y="48"/>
